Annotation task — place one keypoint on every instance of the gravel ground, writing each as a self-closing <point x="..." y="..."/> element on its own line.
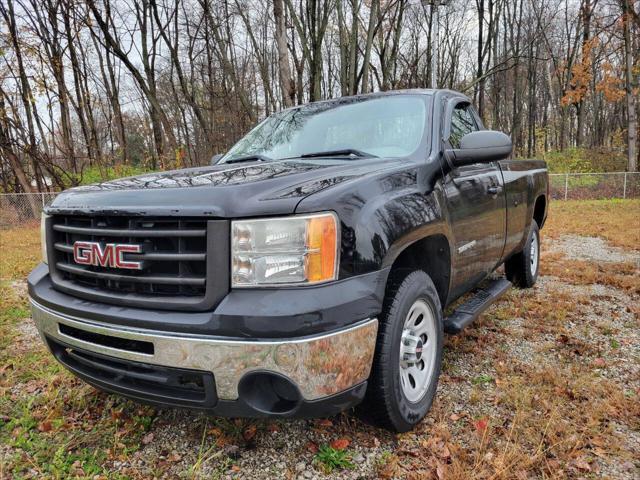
<point x="181" y="444"/>
<point x="576" y="247"/>
<point x="280" y="449"/>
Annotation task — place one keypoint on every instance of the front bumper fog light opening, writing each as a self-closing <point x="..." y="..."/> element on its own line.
<point x="269" y="393"/>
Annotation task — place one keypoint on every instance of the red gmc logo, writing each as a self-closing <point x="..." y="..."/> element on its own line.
<point x="109" y="255"/>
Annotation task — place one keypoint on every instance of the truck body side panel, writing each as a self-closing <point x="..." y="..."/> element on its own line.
<point x="477" y="219"/>
<point x="525" y="181"/>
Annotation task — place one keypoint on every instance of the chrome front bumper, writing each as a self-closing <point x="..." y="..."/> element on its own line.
<point x="319" y="366"/>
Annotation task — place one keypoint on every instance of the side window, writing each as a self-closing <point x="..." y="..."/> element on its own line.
<point x="462" y="122"/>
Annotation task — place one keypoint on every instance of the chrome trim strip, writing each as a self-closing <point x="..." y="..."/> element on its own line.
<point x="320" y="366"/>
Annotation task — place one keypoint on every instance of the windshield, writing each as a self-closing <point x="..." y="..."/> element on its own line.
<point x="390" y="126"/>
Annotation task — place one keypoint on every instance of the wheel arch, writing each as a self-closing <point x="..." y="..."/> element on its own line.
<point x="540" y="210"/>
<point x="432" y="254"/>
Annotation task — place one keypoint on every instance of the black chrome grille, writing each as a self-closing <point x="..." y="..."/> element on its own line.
<point x="141" y="381"/>
<point x="174" y="259"/>
<point x="120" y="343"/>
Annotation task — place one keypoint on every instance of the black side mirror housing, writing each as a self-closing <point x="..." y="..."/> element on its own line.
<point x="483" y="146"/>
<point x="216" y="158"/>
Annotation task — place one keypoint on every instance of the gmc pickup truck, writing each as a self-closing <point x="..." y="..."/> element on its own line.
<point x="306" y="271"/>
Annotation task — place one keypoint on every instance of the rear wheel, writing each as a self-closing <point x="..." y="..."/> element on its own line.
<point x="522" y="268"/>
<point x="408" y="356"/>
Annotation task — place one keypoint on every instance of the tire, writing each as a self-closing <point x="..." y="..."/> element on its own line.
<point x="522" y="268"/>
<point x="388" y="402"/>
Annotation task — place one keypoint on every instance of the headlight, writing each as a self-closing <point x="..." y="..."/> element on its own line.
<point x="43" y="237"/>
<point x="294" y="250"/>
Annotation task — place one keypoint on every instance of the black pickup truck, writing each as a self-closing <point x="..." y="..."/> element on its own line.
<point x="306" y="271"/>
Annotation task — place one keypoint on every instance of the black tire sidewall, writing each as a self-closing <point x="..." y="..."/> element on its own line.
<point x="404" y="413"/>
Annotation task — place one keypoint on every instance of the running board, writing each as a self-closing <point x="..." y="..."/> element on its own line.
<point x="468" y="311"/>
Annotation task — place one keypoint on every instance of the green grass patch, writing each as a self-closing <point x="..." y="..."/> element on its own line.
<point x="482" y="379"/>
<point x="331" y="459"/>
<point x="53" y="423"/>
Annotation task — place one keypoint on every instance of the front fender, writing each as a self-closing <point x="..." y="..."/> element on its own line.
<point x="380" y="216"/>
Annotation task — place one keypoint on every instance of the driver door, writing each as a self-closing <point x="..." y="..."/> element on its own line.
<point x="477" y="210"/>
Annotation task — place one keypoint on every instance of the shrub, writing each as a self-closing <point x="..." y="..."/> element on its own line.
<point x="584" y="160"/>
<point x="96" y="174"/>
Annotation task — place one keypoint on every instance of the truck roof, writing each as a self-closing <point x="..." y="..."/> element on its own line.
<point x="386" y="93"/>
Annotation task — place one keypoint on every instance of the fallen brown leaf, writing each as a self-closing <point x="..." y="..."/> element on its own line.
<point x="340" y="443"/>
<point x="481" y="426"/>
<point x="249" y="432"/>
<point x="174" y="457"/>
<point x="582" y="464"/>
<point x="45" y="426"/>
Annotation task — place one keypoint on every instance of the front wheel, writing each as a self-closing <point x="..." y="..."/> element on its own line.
<point x="408" y="357"/>
<point x="522" y="268"/>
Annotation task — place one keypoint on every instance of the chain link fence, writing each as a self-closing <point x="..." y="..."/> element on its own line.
<point x="594" y="186"/>
<point x="17" y="209"/>
<point x="21" y="209"/>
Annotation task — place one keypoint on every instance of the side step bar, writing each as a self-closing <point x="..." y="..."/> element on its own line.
<point x="478" y="303"/>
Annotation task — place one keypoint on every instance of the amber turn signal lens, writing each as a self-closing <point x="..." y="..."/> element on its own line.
<point x="322" y="248"/>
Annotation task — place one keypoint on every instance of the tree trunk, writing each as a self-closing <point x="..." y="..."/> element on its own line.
<point x="7" y="151"/>
<point x="353" y="48"/>
<point x="344" y="49"/>
<point x="287" y="86"/>
<point x="367" y="50"/>
<point x="480" y="59"/>
<point x="580" y="105"/>
<point x="632" y="123"/>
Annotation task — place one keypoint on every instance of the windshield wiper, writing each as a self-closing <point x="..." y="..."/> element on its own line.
<point x="347" y="152"/>
<point x="250" y="158"/>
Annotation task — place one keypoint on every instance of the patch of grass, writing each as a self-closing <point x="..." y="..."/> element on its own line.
<point x="331" y="459"/>
<point x="70" y="430"/>
<point x="206" y="454"/>
<point x="53" y="423"/>
<point x="482" y="379"/>
<point x="12" y="309"/>
<point x="625" y="276"/>
<point x="614" y="220"/>
<point x="387" y="465"/>
<point x="19" y="251"/>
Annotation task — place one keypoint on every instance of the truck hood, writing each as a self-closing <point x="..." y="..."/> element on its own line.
<point x="228" y="190"/>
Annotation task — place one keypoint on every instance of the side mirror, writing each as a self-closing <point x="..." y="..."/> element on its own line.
<point x="216" y="158"/>
<point x="483" y="146"/>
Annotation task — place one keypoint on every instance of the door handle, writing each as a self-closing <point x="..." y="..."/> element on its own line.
<point x="494" y="189"/>
<point x="457" y="181"/>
